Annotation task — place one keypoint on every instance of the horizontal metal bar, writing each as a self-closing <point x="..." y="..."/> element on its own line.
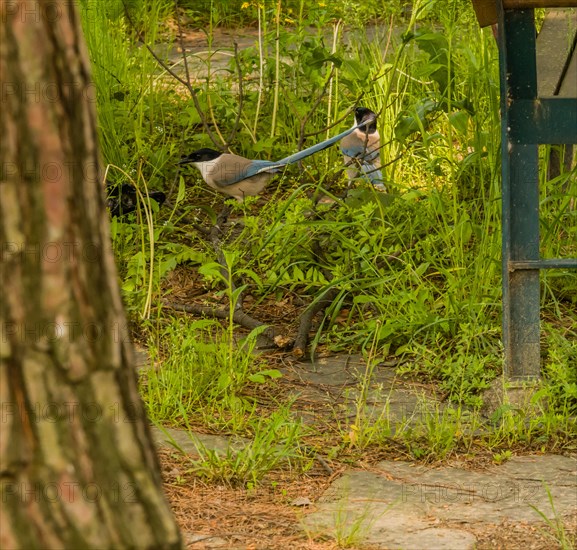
<point x="523" y="4"/>
<point x="543" y="120"/>
<point x="487" y="12"/>
<point x="554" y="263"/>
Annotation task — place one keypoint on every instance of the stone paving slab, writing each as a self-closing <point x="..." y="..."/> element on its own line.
<point x="406" y="506"/>
<point x="220" y="52"/>
<point x="176" y="438"/>
<point x="335" y="381"/>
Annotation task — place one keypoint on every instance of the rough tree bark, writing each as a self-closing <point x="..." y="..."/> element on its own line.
<point x="77" y="465"/>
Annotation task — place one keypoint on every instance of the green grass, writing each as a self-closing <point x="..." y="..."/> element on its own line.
<point x="275" y="444"/>
<point x="417" y="272"/>
<point x="557" y="532"/>
<point x="201" y="378"/>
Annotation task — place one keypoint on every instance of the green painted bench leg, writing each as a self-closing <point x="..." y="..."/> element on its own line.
<point x="522" y="333"/>
<point x="520" y="185"/>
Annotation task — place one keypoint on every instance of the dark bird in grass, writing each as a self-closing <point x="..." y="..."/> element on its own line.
<point x="240" y="177"/>
<point x="361" y="149"/>
<point x="123" y="199"/>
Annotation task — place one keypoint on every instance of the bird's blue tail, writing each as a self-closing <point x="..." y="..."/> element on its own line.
<point x="271" y="166"/>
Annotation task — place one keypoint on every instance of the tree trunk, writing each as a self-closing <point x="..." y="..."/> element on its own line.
<point x="77" y="464"/>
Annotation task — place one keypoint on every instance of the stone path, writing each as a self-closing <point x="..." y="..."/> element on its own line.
<point x="399" y="504"/>
<point x="213" y="59"/>
<point x="335" y="384"/>
<point x="410" y="506"/>
<point x="403" y="505"/>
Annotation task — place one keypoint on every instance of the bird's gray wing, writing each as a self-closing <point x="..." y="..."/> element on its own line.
<point x="237" y="169"/>
<point x="310" y="151"/>
<point x="354" y="150"/>
<point x="366" y="150"/>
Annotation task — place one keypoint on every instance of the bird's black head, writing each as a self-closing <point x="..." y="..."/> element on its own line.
<point x="202" y="155"/>
<point x="123" y="199"/>
<point x="362" y="114"/>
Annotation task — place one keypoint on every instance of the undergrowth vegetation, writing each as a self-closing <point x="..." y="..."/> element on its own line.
<point x="416" y="270"/>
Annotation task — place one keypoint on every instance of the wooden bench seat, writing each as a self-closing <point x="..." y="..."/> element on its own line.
<point x="557" y="73"/>
<point x="487" y="13"/>
<point x="556" y="55"/>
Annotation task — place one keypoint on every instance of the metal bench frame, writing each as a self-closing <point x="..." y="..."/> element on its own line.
<point x="527" y="121"/>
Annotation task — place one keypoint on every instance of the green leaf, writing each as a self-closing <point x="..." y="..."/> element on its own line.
<point x="298" y="275"/>
<point x="262" y="376"/>
<point x="412" y="195"/>
<point x="460" y="121"/>
<point x="416" y="119"/>
<point x="211" y="270"/>
<point x="254" y="333"/>
<point x="181" y="190"/>
<point x="253" y="275"/>
<point x="422" y="268"/>
<point x="355" y="70"/>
